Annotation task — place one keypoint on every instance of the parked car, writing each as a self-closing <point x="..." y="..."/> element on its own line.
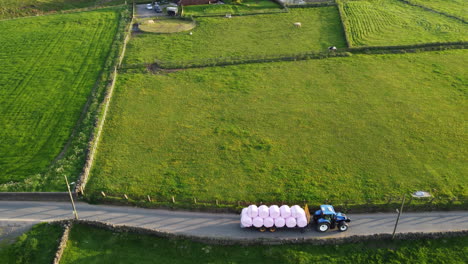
<point x="157" y="9"/>
<point x="149" y="6"/>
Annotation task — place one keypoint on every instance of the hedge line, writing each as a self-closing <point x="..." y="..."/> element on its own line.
<point x="344" y="22"/>
<point x="346" y="52"/>
<point x="384" y="204"/>
<point x="108" y="77"/>
<point x="434" y="11"/>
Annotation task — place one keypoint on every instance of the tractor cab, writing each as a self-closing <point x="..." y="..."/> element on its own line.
<point x="326" y="218"/>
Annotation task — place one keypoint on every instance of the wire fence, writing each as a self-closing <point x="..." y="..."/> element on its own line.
<point x="381" y="204"/>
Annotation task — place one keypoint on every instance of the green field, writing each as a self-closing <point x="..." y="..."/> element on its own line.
<point x="347" y="128"/>
<point x="90" y="245"/>
<point x="18" y="8"/>
<point x="249" y="6"/>
<point x="37" y="246"/>
<point x="391" y="22"/>
<point x="457" y="8"/>
<point x="49" y="67"/>
<point x="257" y="35"/>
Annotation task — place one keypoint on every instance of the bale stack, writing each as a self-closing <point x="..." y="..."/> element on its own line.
<point x="273" y="216"/>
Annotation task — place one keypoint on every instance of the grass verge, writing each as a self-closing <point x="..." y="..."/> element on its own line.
<point x="36" y="246"/>
<point x="91" y="245"/>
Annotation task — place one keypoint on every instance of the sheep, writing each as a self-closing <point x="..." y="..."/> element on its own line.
<point x="298" y="24"/>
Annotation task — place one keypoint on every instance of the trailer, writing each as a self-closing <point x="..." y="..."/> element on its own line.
<point x="300" y="218"/>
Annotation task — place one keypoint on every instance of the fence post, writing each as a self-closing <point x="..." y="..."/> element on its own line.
<point x="398" y="218"/>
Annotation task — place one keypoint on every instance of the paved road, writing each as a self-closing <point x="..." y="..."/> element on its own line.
<point x="224" y="225"/>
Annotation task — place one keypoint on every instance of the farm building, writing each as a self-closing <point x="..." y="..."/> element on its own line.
<point x="197" y="2"/>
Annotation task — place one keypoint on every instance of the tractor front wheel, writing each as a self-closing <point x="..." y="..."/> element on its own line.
<point x="343" y="227"/>
<point x="323" y="227"/>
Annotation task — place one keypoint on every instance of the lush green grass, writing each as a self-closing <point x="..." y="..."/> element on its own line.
<point x="346" y="128"/>
<point x="243" y="36"/>
<point x="17" y="8"/>
<point x="35" y="246"/>
<point x="249" y="6"/>
<point x="49" y="67"/>
<point x="458" y="8"/>
<point x="391" y="22"/>
<point x="91" y="245"/>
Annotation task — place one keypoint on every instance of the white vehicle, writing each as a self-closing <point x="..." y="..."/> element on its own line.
<point x="149" y="7"/>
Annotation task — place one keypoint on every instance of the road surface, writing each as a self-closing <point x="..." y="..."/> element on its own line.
<point x="224" y="225"/>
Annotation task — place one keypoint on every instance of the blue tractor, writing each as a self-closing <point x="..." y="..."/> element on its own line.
<point x="326" y="218"/>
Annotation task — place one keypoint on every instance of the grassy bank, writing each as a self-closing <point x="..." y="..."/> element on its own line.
<point x="354" y="128"/>
<point x="242" y="36"/>
<point x="391" y="22"/>
<point x="36" y="246"/>
<point x="49" y="67"/>
<point x="90" y="245"/>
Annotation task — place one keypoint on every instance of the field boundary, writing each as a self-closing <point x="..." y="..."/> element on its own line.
<point x="433" y="10"/>
<point x="63" y="12"/>
<point x="94" y="141"/>
<point x="344" y="22"/>
<point x="261" y="241"/>
<point x="63" y="241"/>
<point x="344" y="52"/>
<point x="312" y="4"/>
<point x="386" y="203"/>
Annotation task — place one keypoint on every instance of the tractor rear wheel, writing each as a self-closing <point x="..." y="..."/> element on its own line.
<point x="323" y="227"/>
<point x="343" y="227"/>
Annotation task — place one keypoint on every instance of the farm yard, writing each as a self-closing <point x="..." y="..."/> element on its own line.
<point x="49" y="67"/>
<point x="257" y="35"/>
<point x="354" y="128"/>
<point x="392" y="22"/>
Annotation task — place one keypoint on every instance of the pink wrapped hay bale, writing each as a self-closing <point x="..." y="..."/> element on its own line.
<point x="297" y="211"/>
<point x="285" y="211"/>
<point x="252" y="210"/>
<point x="244" y="211"/>
<point x="290" y="222"/>
<point x="268" y="222"/>
<point x="280" y="222"/>
<point x="302" y="221"/>
<point x="263" y="211"/>
<point x="274" y="211"/>
<point x="246" y="221"/>
<point x="257" y="222"/>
